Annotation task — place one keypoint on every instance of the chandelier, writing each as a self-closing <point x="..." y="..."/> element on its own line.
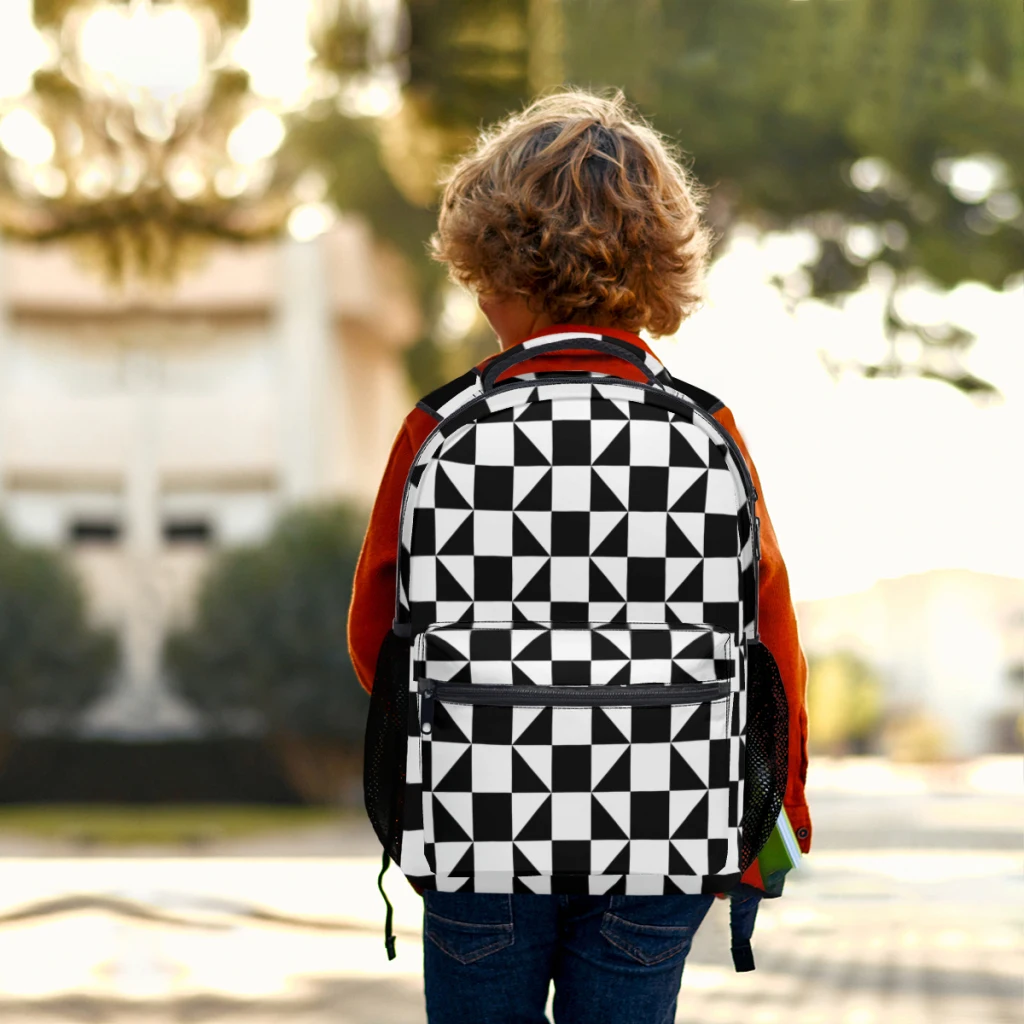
<point x="139" y="132"/>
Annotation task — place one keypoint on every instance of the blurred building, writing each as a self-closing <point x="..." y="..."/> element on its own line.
<point x="142" y="432"/>
<point x="948" y="644"/>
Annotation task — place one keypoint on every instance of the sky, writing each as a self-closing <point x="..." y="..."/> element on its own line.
<point x="863" y="479"/>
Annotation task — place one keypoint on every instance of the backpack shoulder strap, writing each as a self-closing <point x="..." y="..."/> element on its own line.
<point x="449" y="398"/>
<point x="707" y="401"/>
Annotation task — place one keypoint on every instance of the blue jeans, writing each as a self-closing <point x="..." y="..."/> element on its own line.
<point x="488" y="959"/>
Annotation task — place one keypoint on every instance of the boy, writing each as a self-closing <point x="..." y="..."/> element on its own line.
<point x="571" y="215"/>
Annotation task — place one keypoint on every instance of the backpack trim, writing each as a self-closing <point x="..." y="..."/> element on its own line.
<point x="448" y="398"/>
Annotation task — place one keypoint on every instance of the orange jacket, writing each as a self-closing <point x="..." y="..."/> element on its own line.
<point x="373" y="592"/>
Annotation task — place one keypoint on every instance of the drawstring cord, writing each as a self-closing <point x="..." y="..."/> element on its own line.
<point x="389" y="935"/>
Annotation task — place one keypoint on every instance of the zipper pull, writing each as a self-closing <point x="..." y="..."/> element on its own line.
<point x="426" y="690"/>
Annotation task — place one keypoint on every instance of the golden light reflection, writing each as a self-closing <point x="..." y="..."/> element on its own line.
<point x="170" y="118"/>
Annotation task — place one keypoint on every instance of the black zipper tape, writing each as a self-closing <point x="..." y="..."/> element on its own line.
<point x="658" y="695"/>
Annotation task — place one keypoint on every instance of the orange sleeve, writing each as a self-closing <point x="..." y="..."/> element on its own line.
<point x="372" y="608"/>
<point x="777" y="622"/>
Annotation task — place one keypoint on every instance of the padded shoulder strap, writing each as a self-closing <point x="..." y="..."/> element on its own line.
<point x="451" y="397"/>
<point x="707" y="401"/>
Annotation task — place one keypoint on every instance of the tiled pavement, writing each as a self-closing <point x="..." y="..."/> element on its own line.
<point x="909" y="912"/>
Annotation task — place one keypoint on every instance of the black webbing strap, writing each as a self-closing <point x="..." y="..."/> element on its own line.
<point x="742" y="915"/>
<point x="389" y="917"/>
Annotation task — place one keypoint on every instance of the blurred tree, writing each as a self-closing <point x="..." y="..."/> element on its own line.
<point x="52" y="663"/>
<point x="844" y="704"/>
<point x="267" y="645"/>
<point x="893" y="130"/>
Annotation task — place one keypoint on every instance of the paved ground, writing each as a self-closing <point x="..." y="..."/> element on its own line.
<point x="908" y="912"/>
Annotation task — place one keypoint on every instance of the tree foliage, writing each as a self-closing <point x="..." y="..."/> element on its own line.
<point x="53" y="664"/>
<point x="268" y="637"/>
<point x="891" y="129"/>
<point x="844" y="703"/>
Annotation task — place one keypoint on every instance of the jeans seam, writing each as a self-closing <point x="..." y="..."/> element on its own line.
<point x="633" y="950"/>
<point x="505" y="938"/>
<point x="482" y="926"/>
<point x="476" y="954"/>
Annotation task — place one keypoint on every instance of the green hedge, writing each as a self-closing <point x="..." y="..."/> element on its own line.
<point x="53" y="664"/>
<point x="267" y="647"/>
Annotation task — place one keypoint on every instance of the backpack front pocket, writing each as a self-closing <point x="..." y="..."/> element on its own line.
<point x="578" y="759"/>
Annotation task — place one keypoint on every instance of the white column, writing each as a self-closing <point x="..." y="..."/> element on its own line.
<point x="138" y="704"/>
<point x="305" y="335"/>
<point x="142" y="536"/>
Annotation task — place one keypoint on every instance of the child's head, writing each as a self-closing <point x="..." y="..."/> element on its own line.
<point x="577" y="207"/>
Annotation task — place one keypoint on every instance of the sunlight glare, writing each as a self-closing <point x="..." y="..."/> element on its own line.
<point x="274" y="50"/>
<point x="256" y="137"/>
<point x="23" y="51"/>
<point x="25" y="137"/>
<point x="158" y="52"/>
<point x="971" y="179"/>
<point x="310" y="220"/>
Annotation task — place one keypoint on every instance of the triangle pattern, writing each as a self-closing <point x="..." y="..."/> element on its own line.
<point x="616" y="542"/>
<point x="602" y="497"/>
<point x="539" y="731"/>
<point x="521" y="864"/>
<point x="692" y="588"/>
<point x="446" y="726"/>
<point x="602" y="824"/>
<point x="526" y="452"/>
<point x="539" y="588"/>
<point x="464" y="869"/>
<point x="677" y="862"/>
<point x="446" y="828"/>
<point x="694" y="498"/>
<point x="523" y="541"/>
<point x="617" y="778"/>
<point x="680" y="452"/>
<point x="539" y="497"/>
<point x="464" y="450"/>
<point x="682" y="776"/>
<point x="461" y="541"/>
<point x="616" y="452"/>
<point x="539" y="826"/>
<point x="524" y="778"/>
<point x="458" y="778"/>
<point x="677" y="544"/>
<point x="695" y="826"/>
<point x="601" y="588"/>
<point x="697" y="726"/>
<point x="446" y="494"/>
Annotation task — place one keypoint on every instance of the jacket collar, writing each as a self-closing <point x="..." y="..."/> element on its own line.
<point x="614" y="332"/>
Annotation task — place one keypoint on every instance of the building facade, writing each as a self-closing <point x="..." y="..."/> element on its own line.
<point x="144" y="431"/>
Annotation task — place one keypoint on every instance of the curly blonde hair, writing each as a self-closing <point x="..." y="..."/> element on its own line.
<point x="579" y="206"/>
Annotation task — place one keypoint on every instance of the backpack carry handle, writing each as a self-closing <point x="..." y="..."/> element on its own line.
<point x="649" y="366"/>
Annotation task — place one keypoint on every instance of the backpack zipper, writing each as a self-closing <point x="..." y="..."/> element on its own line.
<point x="657" y="695"/>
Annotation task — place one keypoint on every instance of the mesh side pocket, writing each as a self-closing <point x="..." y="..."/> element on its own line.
<point x="386" y="745"/>
<point x="767" y="751"/>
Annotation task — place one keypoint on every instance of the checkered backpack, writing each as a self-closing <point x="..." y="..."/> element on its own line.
<point x="573" y="698"/>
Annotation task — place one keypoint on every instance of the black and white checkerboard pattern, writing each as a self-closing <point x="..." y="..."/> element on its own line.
<point x="531" y="512"/>
<point x="581" y="795"/>
<point x="505" y="654"/>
